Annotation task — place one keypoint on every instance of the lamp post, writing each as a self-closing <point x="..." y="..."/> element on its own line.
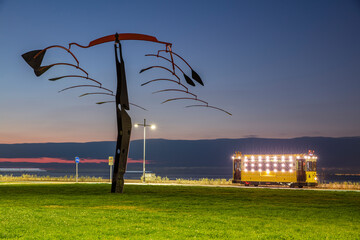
<point x="152" y="127"/>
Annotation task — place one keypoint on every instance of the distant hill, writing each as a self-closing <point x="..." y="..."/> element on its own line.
<point x="193" y="156"/>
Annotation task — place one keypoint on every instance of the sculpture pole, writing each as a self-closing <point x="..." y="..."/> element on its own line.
<point x="123" y="122"/>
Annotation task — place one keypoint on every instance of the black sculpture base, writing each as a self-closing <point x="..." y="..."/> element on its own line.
<point x="122" y="149"/>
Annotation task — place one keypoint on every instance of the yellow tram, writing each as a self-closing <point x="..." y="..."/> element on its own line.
<point x="294" y="170"/>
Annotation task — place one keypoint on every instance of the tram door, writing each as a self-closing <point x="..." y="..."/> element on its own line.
<point x="237" y="169"/>
<point x="300" y="173"/>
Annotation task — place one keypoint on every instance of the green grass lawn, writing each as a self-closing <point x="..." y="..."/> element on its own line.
<point x="89" y="211"/>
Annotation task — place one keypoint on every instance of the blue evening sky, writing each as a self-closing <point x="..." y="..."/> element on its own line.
<point x="282" y="68"/>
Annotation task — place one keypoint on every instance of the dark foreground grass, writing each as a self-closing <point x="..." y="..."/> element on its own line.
<point x="89" y="211"/>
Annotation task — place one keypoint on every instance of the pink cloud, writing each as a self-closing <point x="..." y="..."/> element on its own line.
<point x="60" y="160"/>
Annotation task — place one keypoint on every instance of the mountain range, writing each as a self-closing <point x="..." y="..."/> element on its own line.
<point x="187" y="157"/>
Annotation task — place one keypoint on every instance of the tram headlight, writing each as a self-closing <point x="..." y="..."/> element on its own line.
<point x="315" y="178"/>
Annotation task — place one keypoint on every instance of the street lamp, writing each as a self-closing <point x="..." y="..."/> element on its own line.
<point x="152" y="126"/>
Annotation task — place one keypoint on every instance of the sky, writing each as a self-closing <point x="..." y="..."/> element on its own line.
<point x="283" y="69"/>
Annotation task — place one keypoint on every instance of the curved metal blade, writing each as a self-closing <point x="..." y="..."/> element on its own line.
<point x="75" y="76"/>
<point x="210" y="107"/>
<point x="188" y="80"/>
<point x="104" y="102"/>
<point x="77" y="86"/>
<point x="144" y="69"/>
<point x="138" y="106"/>
<point x="175" y="90"/>
<point x="184" y="98"/>
<point x="57" y="78"/>
<point x="35" y="63"/>
<point x="173" y="73"/>
<point x="196" y="77"/>
<point x="39" y="71"/>
<point x="94" y="93"/>
<point x="165" y="79"/>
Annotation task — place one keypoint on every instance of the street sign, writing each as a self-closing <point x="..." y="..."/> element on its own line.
<point x="111" y="161"/>
<point x="77" y="159"/>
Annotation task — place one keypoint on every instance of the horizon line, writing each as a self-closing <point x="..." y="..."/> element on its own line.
<point x="199" y="139"/>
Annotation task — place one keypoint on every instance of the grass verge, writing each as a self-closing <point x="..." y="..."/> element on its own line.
<point x="89" y="211"/>
<point x="158" y="179"/>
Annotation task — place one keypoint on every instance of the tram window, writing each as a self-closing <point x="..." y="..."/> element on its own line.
<point x="310" y="166"/>
<point x="299" y="165"/>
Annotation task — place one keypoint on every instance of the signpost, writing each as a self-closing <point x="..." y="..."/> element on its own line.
<point x="111" y="163"/>
<point x="77" y="160"/>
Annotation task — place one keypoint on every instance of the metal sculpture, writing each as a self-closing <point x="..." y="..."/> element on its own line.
<point x="35" y="58"/>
